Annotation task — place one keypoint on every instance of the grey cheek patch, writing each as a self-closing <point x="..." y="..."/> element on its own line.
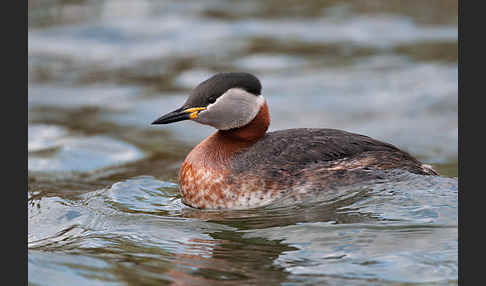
<point x="235" y="108"/>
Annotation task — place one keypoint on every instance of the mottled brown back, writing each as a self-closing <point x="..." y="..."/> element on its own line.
<point x="289" y="152"/>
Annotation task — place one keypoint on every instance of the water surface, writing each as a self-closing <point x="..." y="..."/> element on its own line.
<point x="103" y="203"/>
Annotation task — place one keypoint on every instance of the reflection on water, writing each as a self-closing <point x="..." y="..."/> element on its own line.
<point x="403" y="232"/>
<point x="104" y="208"/>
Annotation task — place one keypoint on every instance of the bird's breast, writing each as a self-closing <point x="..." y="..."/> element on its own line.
<point x="207" y="188"/>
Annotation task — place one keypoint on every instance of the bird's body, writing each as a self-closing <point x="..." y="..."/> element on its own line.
<point x="243" y="166"/>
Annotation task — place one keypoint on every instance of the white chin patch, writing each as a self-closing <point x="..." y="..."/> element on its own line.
<point x="235" y="108"/>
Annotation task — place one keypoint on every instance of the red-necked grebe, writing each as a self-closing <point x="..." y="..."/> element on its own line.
<point x="242" y="166"/>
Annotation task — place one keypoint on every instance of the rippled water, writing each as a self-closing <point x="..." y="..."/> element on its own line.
<point x="103" y="204"/>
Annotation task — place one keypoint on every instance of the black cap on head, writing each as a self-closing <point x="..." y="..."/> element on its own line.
<point x="209" y="90"/>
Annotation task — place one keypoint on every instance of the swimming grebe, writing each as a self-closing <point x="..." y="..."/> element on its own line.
<point x="241" y="166"/>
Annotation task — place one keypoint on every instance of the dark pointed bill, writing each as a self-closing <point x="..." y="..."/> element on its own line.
<point x="179" y="115"/>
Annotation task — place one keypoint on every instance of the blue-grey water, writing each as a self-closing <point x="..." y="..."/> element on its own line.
<point x="103" y="201"/>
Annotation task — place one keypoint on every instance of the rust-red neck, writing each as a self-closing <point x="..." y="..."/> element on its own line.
<point x="254" y="130"/>
<point x="215" y="151"/>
